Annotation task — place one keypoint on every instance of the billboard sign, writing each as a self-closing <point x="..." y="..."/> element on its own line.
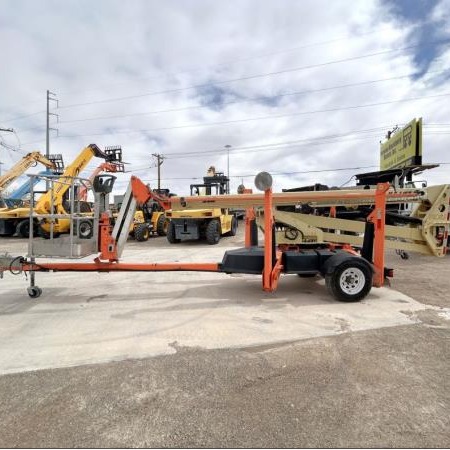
<point x="403" y="148"/>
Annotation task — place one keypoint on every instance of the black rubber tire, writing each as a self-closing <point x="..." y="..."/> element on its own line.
<point x="34" y="291"/>
<point x="213" y="232"/>
<point x="334" y="285"/>
<point x="171" y="234"/>
<point x="141" y="232"/>
<point x="85" y="229"/>
<point x="162" y="225"/>
<point x="234" y="227"/>
<point x="85" y="207"/>
<point x="23" y="228"/>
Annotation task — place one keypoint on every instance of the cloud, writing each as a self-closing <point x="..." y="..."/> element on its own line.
<point x="88" y="52"/>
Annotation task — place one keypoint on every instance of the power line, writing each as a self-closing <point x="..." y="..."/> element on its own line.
<point x="308" y="142"/>
<point x="340" y="169"/>
<point x="251" y="77"/>
<point x="430" y="132"/>
<point x="238" y="60"/>
<point x="320" y="140"/>
<point x="283" y="147"/>
<point x="232" y="102"/>
<point x="227" y="64"/>
<point x="283" y="143"/>
<point x="23" y="117"/>
<point x="274" y="173"/>
<point x="250" y="119"/>
<point x="258" y="150"/>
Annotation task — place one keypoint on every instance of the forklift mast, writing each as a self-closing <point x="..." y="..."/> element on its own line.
<point x="213" y="183"/>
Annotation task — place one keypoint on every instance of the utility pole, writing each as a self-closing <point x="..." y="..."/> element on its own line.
<point x="50" y="97"/>
<point x="228" y="167"/>
<point x="159" y="161"/>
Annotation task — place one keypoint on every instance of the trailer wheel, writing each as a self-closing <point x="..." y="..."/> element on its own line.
<point x="171" y="236"/>
<point x="162" y="225"/>
<point x="350" y="281"/>
<point x="141" y="232"/>
<point x="213" y="232"/>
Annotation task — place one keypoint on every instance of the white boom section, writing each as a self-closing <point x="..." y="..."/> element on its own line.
<point x="313" y="198"/>
<point x="428" y="235"/>
<point x="123" y="222"/>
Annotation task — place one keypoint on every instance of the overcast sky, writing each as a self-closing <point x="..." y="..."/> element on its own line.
<point x="292" y="86"/>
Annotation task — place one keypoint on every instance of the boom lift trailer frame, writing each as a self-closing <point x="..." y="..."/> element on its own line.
<point x="342" y="266"/>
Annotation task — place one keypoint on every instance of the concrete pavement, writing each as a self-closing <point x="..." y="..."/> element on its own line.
<point x="85" y="318"/>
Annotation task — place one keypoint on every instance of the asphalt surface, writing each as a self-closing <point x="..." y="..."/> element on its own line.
<point x="381" y="387"/>
<point x="386" y="388"/>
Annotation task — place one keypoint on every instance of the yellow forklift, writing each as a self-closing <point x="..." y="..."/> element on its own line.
<point x="209" y="224"/>
<point x="149" y="219"/>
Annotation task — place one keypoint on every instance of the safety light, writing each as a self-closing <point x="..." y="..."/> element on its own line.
<point x="263" y="181"/>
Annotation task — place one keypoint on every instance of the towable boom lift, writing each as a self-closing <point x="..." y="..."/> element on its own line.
<point x="349" y="274"/>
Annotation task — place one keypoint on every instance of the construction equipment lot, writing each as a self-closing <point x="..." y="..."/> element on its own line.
<point x="206" y="359"/>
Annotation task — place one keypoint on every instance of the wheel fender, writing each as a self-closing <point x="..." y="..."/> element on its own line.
<point x="334" y="261"/>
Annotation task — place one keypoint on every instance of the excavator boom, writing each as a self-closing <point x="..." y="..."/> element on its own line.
<point x="21" y="167"/>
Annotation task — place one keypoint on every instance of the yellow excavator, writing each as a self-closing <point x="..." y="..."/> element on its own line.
<point x="17" y="220"/>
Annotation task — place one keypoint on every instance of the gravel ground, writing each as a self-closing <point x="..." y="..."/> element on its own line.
<point x="379" y="388"/>
<point x="424" y="278"/>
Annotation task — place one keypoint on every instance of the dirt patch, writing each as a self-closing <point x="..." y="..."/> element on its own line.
<point x="424" y="278"/>
<point x="430" y="317"/>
